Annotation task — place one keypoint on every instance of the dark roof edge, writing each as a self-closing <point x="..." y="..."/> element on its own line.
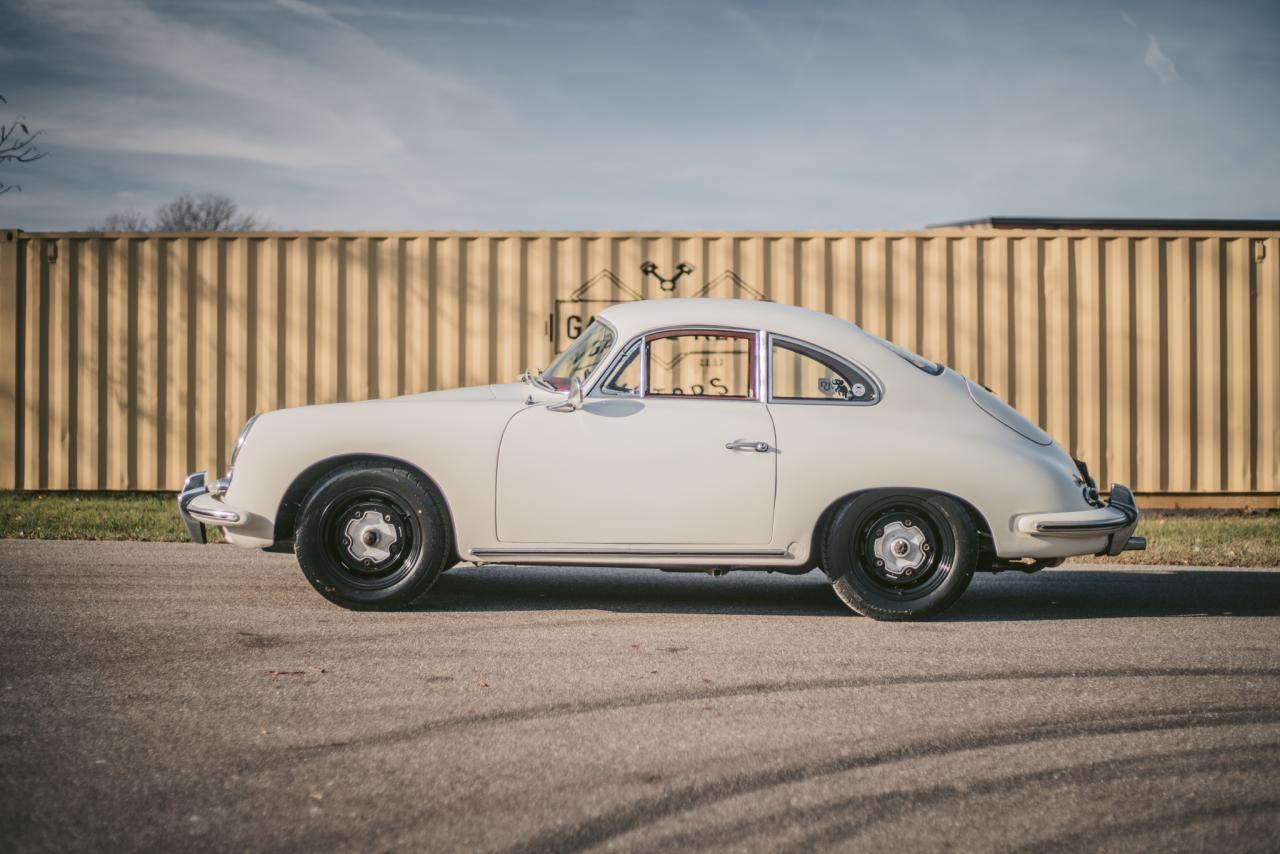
<point x="1115" y="223"/>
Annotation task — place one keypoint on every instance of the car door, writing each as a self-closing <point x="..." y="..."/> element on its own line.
<point x="674" y="447"/>
<point x="822" y="404"/>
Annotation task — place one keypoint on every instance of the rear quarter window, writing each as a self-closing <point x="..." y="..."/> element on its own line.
<point x="801" y="373"/>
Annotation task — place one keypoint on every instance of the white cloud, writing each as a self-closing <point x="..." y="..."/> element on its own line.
<point x="265" y="110"/>
<point x="384" y="114"/>
<point x="758" y="35"/>
<point x="337" y="98"/>
<point x="1159" y="63"/>
<point x="308" y="10"/>
<point x="1154" y="58"/>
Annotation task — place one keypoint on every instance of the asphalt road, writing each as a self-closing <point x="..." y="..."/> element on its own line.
<point x="178" y="697"/>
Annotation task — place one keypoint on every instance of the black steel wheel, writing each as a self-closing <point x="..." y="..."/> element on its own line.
<point x="900" y="556"/>
<point x="372" y="536"/>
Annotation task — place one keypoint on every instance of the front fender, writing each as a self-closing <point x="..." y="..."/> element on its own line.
<point x="453" y="442"/>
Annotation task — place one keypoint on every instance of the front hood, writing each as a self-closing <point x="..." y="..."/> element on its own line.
<point x="479" y="392"/>
<point x="500" y="391"/>
<point x="1006" y="414"/>
<point x="504" y="398"/>
<point x="395" y="427"/>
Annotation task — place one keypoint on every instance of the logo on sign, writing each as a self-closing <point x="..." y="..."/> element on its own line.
<point x="572" y="315"/>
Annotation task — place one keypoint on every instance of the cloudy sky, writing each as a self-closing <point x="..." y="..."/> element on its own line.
<point x="388" y="114"/>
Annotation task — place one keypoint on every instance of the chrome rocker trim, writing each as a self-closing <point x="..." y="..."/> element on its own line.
<point x="626" y="552"/>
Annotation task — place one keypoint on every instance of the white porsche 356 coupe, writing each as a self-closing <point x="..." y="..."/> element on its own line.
<point x="682" y="434"/>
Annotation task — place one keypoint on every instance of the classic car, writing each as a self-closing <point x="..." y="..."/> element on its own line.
<point x="680" y="434"/>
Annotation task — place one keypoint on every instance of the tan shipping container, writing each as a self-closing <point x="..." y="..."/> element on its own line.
<point x="129" y="360"/>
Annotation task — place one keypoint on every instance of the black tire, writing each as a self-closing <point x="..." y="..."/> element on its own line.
<point x="405" y="518"/>
<point x="860" y="553"/>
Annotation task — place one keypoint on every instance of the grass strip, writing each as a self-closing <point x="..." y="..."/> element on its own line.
<point x="1190" y="538"/>
<point x="146" y="516"/>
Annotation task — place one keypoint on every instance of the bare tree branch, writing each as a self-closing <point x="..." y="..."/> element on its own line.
<point x="208" y="212"/>
<point x="188" y="212"/>
<point x="17" y="145"/>
<point x="122" y="221"/>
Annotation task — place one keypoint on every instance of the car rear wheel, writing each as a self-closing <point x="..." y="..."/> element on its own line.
<point x="900" y="556"/>
<point x="372" y="536"/>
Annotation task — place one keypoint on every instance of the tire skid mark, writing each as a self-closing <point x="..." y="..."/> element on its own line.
<point x="877" y="809"/>
<point x="870" y="809"/>
<point x="1087" y="840"/>
<point x="551" y="711"/>
<point x="459" y="632"/>
<point x="612" y="824"/>
<point x="465" y="623"/>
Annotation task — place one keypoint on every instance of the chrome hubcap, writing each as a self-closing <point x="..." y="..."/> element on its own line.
<point x="901" y="547"/>
<point x="369" y="536"/>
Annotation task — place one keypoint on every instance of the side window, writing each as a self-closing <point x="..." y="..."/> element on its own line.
<point x="626" y="377"/>
<point x="802" y="373"/>
<point x="701" y="364"/>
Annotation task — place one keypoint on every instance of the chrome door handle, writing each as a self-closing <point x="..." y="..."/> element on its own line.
<point x="758" y="447"/>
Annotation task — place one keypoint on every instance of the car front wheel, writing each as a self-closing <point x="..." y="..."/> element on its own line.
<point x="900" y="556"/>
<point x="372" y="536"/>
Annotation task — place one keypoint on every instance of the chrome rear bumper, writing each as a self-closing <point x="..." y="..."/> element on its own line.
<point x="1117" y="521"/>
<point x="195" y="517"/>
<point x="1122" y="539"/>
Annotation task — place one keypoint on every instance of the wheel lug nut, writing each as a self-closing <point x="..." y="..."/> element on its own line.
<point x="925" y="547"/>
<point x="879" y="532"/>
<point x="909" y="572"/>
<point x="906" y="523"/>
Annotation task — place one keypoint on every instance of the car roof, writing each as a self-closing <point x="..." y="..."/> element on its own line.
<point x="634" y="318"/>
<point x="846" y="339"/>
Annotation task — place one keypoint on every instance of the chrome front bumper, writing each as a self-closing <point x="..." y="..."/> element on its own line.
<point x="197" y="506"/>
<point x="1116" y="521"/>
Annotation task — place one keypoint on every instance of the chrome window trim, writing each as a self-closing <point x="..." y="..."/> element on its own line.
<point x="803" y="401"/>
<point x="602" y="387"/>
<point x="594" y="378"/>
<point x="763" y="368"/>
<point x="757" y="335"/>
<point x="643" y="347"/>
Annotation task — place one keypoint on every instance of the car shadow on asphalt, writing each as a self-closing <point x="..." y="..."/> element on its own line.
<point x="632" y="590"/>
<point x="1089" y="594"/>
<point x="1068" y="594"/>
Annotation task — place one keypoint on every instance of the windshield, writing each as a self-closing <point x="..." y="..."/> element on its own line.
<point x="582" y="357"/>
<point x="919" y="361"/>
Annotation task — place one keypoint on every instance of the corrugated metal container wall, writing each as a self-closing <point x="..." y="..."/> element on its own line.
<point x="130" y="360"/>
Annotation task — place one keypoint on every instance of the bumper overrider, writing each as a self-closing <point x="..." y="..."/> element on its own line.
<point x="200" y="504"/>
<point x="1116" y="520"/>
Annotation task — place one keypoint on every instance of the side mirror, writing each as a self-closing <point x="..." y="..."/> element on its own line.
<point x="572" y="401"/>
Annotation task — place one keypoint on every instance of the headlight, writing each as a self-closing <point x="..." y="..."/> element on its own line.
<point x="235" y="452"/>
